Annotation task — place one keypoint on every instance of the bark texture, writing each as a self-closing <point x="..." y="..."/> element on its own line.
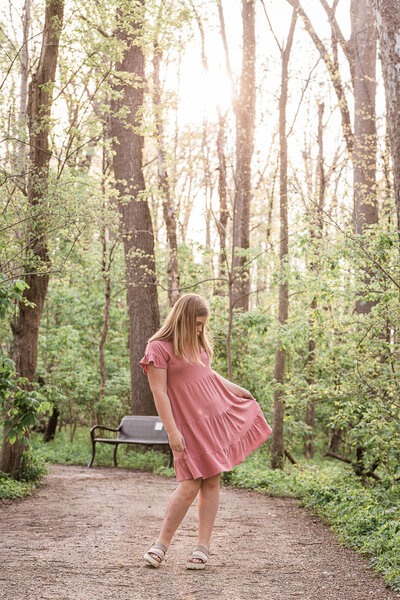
<point x="388" y="24"/>
<point x="40" y="98"/>
<point x="245" y="117"/>
<point x="277" y="441"/>
<point x="135" y="221"/>
<point x="363" y="43"/>
<point x="363" y="40"/>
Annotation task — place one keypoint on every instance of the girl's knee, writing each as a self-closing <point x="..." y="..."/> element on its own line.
<point x="188" y="489"/>
<point x="211" y="482"/>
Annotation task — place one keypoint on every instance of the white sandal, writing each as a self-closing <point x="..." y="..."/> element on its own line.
<point x="200" y="552"/>
<point x="159" y="550"/>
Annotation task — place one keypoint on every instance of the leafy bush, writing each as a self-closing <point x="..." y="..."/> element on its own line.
<point x="32" y="467"/>
<point x="19" y="405"/>
<point x="10" y="488"/>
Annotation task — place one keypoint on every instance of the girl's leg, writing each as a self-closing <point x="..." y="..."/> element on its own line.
<point x="208" y="507"/>
<point x="177" y="507"/>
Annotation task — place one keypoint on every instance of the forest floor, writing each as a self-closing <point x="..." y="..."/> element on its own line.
<point x="82" y="534"/>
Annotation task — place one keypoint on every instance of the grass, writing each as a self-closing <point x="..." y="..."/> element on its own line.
<point x="10" y="488"/>
<point x="366" y="517"/>
<point x="62" y="451"/>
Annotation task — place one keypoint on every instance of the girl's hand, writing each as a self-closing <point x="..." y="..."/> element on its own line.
<point x="246" y="394"/>
<point x="176" y="441"/>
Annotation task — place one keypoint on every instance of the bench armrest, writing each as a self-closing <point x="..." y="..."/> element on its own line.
<point x="92" y="430"/>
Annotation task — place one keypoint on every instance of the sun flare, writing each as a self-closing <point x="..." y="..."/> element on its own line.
<point x="204" y="93"/>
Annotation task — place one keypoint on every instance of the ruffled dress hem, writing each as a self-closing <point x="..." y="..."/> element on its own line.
<point x="188" y="466"/>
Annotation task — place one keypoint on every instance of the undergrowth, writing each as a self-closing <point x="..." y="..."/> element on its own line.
<point x="10" y="488"/>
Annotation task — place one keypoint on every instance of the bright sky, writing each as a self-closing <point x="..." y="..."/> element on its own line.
<point x="199" y="93"/>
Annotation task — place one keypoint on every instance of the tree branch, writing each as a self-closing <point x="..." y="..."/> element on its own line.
<point x="334" y="74"/>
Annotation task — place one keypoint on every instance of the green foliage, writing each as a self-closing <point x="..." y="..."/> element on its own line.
<point x="351" y="376"/>
<point x="10" y="488"/>
<point x="69" y="339"/>
<point x="32" y="467"/>
<point x="11" y="292"/>
<point x="20" y="405"/>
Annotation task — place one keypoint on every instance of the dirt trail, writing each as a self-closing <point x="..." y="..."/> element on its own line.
<point x="81" y="536"/>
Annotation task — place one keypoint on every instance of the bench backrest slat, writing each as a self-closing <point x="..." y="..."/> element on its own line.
<point x="143" y="429"/>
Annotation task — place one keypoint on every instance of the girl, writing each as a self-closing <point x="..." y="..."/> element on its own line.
<point x="212" y="424"/>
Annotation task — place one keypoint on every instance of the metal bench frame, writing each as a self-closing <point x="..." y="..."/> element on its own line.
<point x="160" y="437"/>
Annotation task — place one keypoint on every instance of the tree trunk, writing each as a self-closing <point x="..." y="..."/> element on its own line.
<point x="388" y="24"/>
<point x="245" y="117"/>
<point x="135" y="219"/>
<point x="316" y="232"/>
<point x="51" y="427"/>
<point x="163" y="183"/>
<point x="332" y="67"/>
<point x="277" y="442"/>
<point x="223" y="207"/>
<point x="106" y="262"/>
<point x="363" y="40"/>
<point x="24" y="60"/>
<point x="26" y="330"/>
<point x="363" y="43"/>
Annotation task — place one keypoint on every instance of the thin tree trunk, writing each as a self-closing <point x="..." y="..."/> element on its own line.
<point x="270" y="209"/>
<point x="51" y="426"/>
<point x="222" y="184"/>
<point x="316" y="232"/>
<point x="245" y="118"/>
<point x="333" y="71"/>
<point x="388" y="24"/>
<point x="163" y="183"/>
<point x="40" y="97"/>
<point x="222" y="223"/>
<point x="363" y="39"/>
<point x="208" y="188"/>
<point x="24" y="60"/>
<point x="105" y="271"/>
<point x="106" y="260"/>
<point x="277" y="441"/>
<point x="135" y="222"/>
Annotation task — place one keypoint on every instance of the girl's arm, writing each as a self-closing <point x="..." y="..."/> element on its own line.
<point x="158" y="384"/>
<point x="232" y="387"/>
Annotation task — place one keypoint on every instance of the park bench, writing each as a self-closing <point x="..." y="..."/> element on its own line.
<point x="132" y="430"/>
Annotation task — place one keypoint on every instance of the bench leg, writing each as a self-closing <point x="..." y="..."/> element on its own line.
<point x="171" y="459"/>
<point x="115" y="455"/>
<point x="93" y="453"/>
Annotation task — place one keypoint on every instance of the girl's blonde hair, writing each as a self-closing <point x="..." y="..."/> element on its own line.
<point x="180" y="328"/>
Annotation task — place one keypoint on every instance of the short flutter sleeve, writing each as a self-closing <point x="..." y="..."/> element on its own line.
<point x="156" y="353"/>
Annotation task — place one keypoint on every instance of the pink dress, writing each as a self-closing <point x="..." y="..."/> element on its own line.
<point x="220" y="429"/>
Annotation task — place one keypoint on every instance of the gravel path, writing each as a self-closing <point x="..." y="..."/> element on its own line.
<point x="81" y="536"/>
